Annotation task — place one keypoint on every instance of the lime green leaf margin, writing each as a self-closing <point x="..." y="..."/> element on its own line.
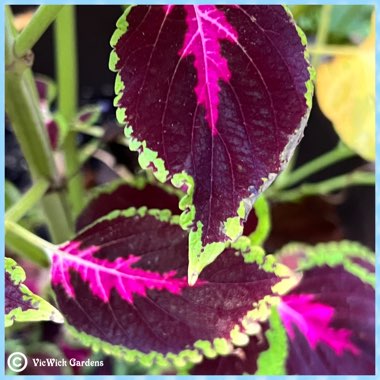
<point x="333" y="254"/>
<point x="41" y="310"/>
<point x="239" y="335"/>
<point x="273" y="361"/>
<point x="262" y="231"/>
<point x="137" y="182"/>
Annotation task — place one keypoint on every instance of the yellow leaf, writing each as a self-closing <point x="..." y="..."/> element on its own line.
<point x="345" y="91"/>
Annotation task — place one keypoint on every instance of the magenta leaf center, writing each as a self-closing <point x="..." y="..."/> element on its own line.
<point x="313" y="319"/>
<point x="103" y="275"/>
<point x="207" y="26"/>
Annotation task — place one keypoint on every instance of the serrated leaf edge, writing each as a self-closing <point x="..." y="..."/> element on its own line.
<point x="334" y="254"/>
<point x="138" y="182"/>
<point x="199" y="256"/>
<point x="239" y="336"/>
<point x="41" y="310"/>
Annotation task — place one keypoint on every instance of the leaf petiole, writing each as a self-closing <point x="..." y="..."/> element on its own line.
<point x="28" y="200"/>
<point x="335" y="50"/>
<point x="37" y="26"/>
<point x="339" y="153"/>
<point x="326" y="187"/>
<point x="98" y="132"/>
<point x="26" y="244"/>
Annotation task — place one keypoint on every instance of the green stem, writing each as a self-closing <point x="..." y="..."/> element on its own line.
<point x="40" y="21"/>
<point x="282" y="178"/>
<point x="323" y="31"/>
<point x="23" y="109"/>
<point x="94" y="131"/>
<point x="335" y="50"/>
<point x="26" y="241"/>
<point x="28" y="200"/>
<point x="58" y="216"/>
<point x="326" y="187"/>
<point x="88" y="150"/>
<point x="339" y="153"/>
<point x="10" y="33"/>
<point x="97" y="131"/>
<point x="26" y="244"/>
<point x="66" y="67"/>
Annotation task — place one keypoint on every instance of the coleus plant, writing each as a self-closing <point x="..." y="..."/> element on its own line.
<point x="55" y="124"/>
<point x="21" y="304"/>
<point x="214" y="99"/>
<point x="248" y="312"/>
<point x="318" y="326"/>
<point x="310" y="295"/>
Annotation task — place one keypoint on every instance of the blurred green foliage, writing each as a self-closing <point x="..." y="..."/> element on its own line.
<point x="349" y="23"/>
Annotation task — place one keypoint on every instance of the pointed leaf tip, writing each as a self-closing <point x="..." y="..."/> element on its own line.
<point x="122" y="284"/>
<point x="226" y="112"/>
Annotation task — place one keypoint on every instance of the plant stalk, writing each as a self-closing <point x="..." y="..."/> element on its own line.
<point x="23" y="110"/>
<point x="27" y="244"/>
<point x="66" y="68"/>
<point x="40" y="21"/>
<point x="98" y="132"/>
<point x="325" y="187"/>
<point x="28" y="200"/>
<point x="333" y="50"/>
<point x="339" y="153"/>
<point x="322" y="32"/>
<point x="25" y="250"/>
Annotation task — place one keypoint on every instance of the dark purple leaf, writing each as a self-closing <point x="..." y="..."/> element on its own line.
<point x="313" y="220"/>
<point x="122" y="284"/>
<point x="329" y="316"/>
<point x="14" y="297"/>
<point x="77" y="354"/>
<point x="89" y="115"/>
<point x="45" y="88"/>
<point x="138" y="193"/>
<point x="20" y="303"/>
<point x="53" y="132"/>
<point x="335" y="331"/>
<point x="122" y="195"/>
<point x="251" y="223"/>
<point x="53" y="123"/>
<point x="215" y="98"/>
